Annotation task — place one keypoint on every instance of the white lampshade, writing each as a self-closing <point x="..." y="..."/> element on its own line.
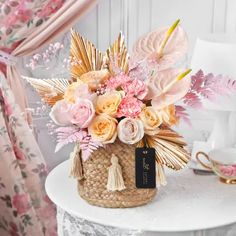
<point x="217" y="54"/>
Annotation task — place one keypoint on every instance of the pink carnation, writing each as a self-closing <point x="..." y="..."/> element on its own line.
<point x="117" y="81"/>
<point x="131" y="86"/>
<point x="129" y="107"/>
<point x="135" y="87"/>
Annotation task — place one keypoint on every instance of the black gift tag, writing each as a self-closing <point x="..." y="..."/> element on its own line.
<point x="145" y="168"/>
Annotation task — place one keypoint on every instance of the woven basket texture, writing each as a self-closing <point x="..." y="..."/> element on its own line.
<point x="93" y="187"/>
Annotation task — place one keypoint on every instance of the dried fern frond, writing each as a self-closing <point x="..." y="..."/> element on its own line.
<point x="50" y="90"/>
<point x="117" y="56"/>
<point x="169" y="148"/>
<point x="84" y="56"/>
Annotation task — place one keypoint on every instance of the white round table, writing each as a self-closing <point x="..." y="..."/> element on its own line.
<point x="188" y="202"/>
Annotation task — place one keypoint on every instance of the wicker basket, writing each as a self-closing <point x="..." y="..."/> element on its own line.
<point x="93" y="189"/>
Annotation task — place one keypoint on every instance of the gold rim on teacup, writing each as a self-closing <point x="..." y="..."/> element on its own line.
<point x="225" y="170"/>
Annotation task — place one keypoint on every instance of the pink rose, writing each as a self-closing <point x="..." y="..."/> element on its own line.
<point x="59" y="113"/>
<point x="81" y="113"/>
<point x="135" y="87"/>
<point x="21" y="203"/>
<point x="228" y="170"/>
<point x="129" y="107"/>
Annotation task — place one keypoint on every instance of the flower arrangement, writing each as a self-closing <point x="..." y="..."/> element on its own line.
<point x="113" y="96"/>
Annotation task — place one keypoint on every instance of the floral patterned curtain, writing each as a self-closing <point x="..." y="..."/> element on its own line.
<point x="20" y="17"/>
<point x="25" y="209"/>
<point x="24" y="206"/>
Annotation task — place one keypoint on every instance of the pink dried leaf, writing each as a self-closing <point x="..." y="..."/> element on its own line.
<point x="88" y="146"/>
<point x="66" y="135"/>
<point x="86" y="154"/>
<point x="182" y="114"/>
<point x="59" y="146"/>
<point x="197" y="80"/>
<point x="208" y="87"/>
<point x="193" y="100"/>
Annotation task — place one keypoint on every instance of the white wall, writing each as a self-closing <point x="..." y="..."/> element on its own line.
<point x="135" y="17"/>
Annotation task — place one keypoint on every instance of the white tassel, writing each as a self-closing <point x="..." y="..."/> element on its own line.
<point x="160" y="175"/>
<point x="115" y="179"/>
<point x="76" y="170"/>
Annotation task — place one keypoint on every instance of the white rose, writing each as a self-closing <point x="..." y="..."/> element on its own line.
<point x="60" y="113"/>
<point x="130" y="130"/>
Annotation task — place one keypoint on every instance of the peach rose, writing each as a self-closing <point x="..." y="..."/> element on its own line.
<point x="81" y="113"/>
<point x="103" y="129"/>
<point x="168" y="115"/>
<point x="69" y="94"/>
<point x="108" y="103"/>
<point x="95" y="78"/>
<point x="151" y="120"/>
<point x="59" y="113"/>
<point x="130" y="130"/>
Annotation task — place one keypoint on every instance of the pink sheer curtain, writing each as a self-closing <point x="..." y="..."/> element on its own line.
<point x="25" y="26"/>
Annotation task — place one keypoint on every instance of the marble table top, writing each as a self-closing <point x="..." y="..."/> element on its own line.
<point x="188" y="202"/>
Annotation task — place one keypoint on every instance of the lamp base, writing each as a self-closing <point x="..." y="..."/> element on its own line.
<point x="220" y="135"/>
<point x="219" y="138"/>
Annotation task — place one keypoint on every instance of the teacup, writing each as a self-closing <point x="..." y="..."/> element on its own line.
<point x="222" y="162"/>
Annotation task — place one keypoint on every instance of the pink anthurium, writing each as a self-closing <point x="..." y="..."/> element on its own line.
<point x="166" y="87"/>
<point x="166" y="54"/>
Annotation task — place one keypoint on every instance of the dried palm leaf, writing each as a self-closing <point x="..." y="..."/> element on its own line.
<point x="169" y="148"/>
<point x="84" y="56"/>
<point x="50" y="90"/>
<point x="160" y="175"/>
<point x="117" y="56"/>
